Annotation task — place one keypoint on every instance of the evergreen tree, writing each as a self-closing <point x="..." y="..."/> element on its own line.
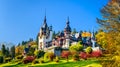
<point x="12" y="52"/>
<point x="74" y="31"/>
<point x="3" y="49"/>
<point x="54" y="35"/>
<point x="7" y="53"/>
<point x="37" y="39"/>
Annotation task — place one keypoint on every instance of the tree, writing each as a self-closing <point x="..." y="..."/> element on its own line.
<point x="19" y="50"/>
<point x="39" y="53"/>
<point x="58" y="33"/>
<point x="30" y="40"/>
<point x="12" y="51"/>
<point x="74" y="31"/>
<point x="110" y="23"/>
<point x="37" y="39"/>
<point x="53" y="35"/>
<point x="76" y="47"/>
<point x="7" y="53"/>
<point x="101" y="39"/>
<point x="111" y="16"/>
<point x="3" y="49"/>
<point x="0" y="52"/>
<point x="31" y="51"/>
<point x="24" y="42"/>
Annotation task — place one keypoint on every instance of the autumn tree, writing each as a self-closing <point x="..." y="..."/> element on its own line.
<point x="19" y="50"/>
<point x="110" y="23"/>
<point x="101" y="38"/>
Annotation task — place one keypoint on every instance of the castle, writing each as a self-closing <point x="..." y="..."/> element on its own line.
<point x="64" y="39"/>
<point x="44" y="36"/>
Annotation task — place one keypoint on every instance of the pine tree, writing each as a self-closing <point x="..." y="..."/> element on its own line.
<point x="54" y="35"/>
<point x="3" y="49"/>
<point x="12" y="52"/>
<point x="7" y="53"/>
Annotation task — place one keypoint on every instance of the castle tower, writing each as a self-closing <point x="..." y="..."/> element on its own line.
<point x="44" y="36"/>
<point x="67" y="32"/>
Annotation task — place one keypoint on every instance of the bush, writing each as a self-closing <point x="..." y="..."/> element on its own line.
<point x="83" y="55"/>
<point x="73" y="52"/>
<point x="76" y="57"/>
<point x="49" y="56"/>
<point x="39" y="53"/>
<point x="8" y="59"/>
<point x="76" y="47"/>
<point x="28" y="59"/>
<point x="20" y="62"/>
<point x="19" y="57"/>
<point x="97" y="53"/>
<point x="35" y="61"/>
<point x="88" y="50"/>
<point x="65" y="54"/>
<point x="1" y="59"/>
<point x="57" y="59"/>
<point x="41" y="60"/>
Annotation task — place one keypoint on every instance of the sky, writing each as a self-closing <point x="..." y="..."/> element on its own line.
<point x="22" y="19"/>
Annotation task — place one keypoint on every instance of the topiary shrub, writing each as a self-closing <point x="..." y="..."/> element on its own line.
<point x="1" y="59"/>
<point x="88" y="50"/>
<point x="49" y="56"/>
<point x="28" y="59"/>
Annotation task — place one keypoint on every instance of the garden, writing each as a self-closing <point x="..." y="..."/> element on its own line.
<point x="74" y="57"/>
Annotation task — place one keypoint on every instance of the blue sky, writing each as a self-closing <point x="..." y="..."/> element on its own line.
<point x="22" y="19"/>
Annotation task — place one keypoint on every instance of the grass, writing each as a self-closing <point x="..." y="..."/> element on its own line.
<point x="62" y="63"/>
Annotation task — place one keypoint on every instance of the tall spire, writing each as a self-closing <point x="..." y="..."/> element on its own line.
<point x="45" y="23"/>
<point x="67" y="28"/>
<point x="45" y="17"/>
<point x="68" y="20"/>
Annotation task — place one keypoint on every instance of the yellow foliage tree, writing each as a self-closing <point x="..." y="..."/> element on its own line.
<point x="101" y="39"/>
<point x="19" y="50"/>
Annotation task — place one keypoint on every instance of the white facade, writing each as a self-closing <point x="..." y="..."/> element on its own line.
<point x="43" y="40"/>
<point x="44" y="36"/>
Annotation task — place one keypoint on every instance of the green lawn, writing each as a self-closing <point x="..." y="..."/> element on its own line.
<point x="62" y="63"/>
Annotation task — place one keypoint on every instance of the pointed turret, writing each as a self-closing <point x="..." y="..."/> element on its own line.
<point x="45" y="23"/>
<point x="67" y="28"/>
